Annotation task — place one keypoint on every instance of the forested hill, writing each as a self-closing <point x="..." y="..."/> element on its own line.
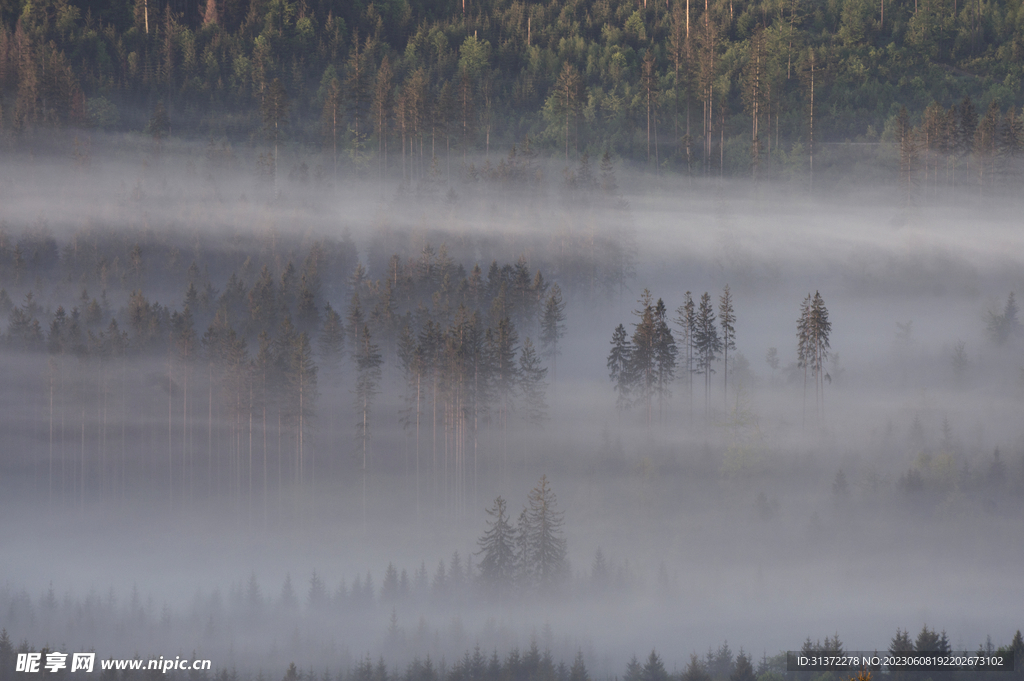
<point x="703" y="86"/>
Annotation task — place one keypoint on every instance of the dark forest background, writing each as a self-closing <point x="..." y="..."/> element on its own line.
<point x="764" y="87"/>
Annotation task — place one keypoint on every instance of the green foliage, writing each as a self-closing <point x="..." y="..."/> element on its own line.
<point x="102" y="62"/>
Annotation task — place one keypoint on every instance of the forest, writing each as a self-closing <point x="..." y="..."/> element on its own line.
<point x="783" y="89"/>
<point x="354" y="406"/>
<point x="499" y="340"/>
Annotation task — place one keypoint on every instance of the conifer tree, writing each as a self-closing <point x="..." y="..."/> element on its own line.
<point x="726" y="319"/>
<point x="414" y="365"/>
<point x="820" y="330"/>
<point x="1003" y="327"/>
<point x="264" y="368"/>
<point x="634" y="670"/>
<point x="541" y="530"/>
<point x="578" y="671"/>
<point x="368" y="362"/>
<point x="620" y="367"/>
<point x="532" y="385"/>
<point x="906" y="138"/>
<point x="686" y="320"/>
<point x="301" y="382"/>
<point x="383" y="101"/>
<point x="502" y="374"/>
<point x="706" y="345"/>
<point x="497" y="548"/>
<point x="744" y="670"/>
<point x="695" y="670"/>
<point x="654" y="669"/>
<point x="274" y="110"/>
<point x="331" y="118"/>
<point x="552" y="327"/>
<point x="567" y="99"/>
<point x="805" y="344"/>
<point x="331" y="342"/>
<point x="644" y="356"/>
<point x="665" y="352"/>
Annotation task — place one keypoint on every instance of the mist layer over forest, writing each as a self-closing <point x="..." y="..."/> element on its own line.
<point x="264" y="420"/>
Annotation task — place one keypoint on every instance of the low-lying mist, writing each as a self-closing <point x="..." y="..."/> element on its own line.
<point x="264" y="421"/>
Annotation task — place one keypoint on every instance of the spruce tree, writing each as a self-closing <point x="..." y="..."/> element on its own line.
<point x="578" y="671"/>
<point x="532" y="385"/>
<point x="274" y="110"/>
<point x="331" y="342"/>
<point x="726" y="319"/>
<point x="695" y="670"/>
<point x="686" y="320"/>
<point x="301" y="381"/>
<point x="545" y="546"/>
<point x="654" y="669"/>
<point x="805" y="345"/>
<point x="644" y="357"/>
<point x="620" y="367"/>
<point x="743" y="670"/>
<point x="665" y="352"/>
<point x="502" y="374"/>
<point x="368" y="362"/>
<point x="706" y="345"/>
<point x="552" y="327"/>
<point x="497" y="546"/>
<point x="821" y="329"/>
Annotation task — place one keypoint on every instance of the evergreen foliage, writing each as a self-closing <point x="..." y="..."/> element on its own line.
<point x="366" y="79"/>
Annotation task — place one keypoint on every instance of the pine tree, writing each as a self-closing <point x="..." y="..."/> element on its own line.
<point x="368" y="362"/>
<point x="383" y="101"/>
<point x="901" y="643"/>
<point x="331" y="342"/>
<point x="805" y="344"/>
<point x="566" y="98"/>
<point x="906" y="139"/>
<point x="541" y="530"/>
<point x="744" y="670"/>
<point x="986" y="144"/>
<point x="389" y="587"/>
<point x="263" y="305"/>
<point x="644" y="357"/>
<point x="502" y="375"/>
<point x="532" y="385"/>
<point x="331" y="118"/>
<point x="821" y="329"/>
<point x="620" y="367"/>
<point x="665" y="352"/>
<point x="654" y="669"/>
<point x="1003" y="327"/>
<point x="301" y="384"/>
<point x="706" y="345"/>
<point x="634" y="670"/>
<point x="552" y="327"/>
<point x="185" y="344"/>
<point x="695" y="670"/>
<point x="927" y="641"/>
<point x="578" y="671"/>
<point x="497" y="546"/>
<point x="274" y="110"/>
<point x="6" y="656"/>
<point x="726" y="319"/>
<point x="264" y="379"/>
<point x="686" y="320"/>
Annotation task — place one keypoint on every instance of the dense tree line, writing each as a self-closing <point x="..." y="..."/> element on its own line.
<point x="719" y="664"/>
<point x="251" y="382"/>
<point x="739" y="86"/>
<point x="642" y="366"/>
